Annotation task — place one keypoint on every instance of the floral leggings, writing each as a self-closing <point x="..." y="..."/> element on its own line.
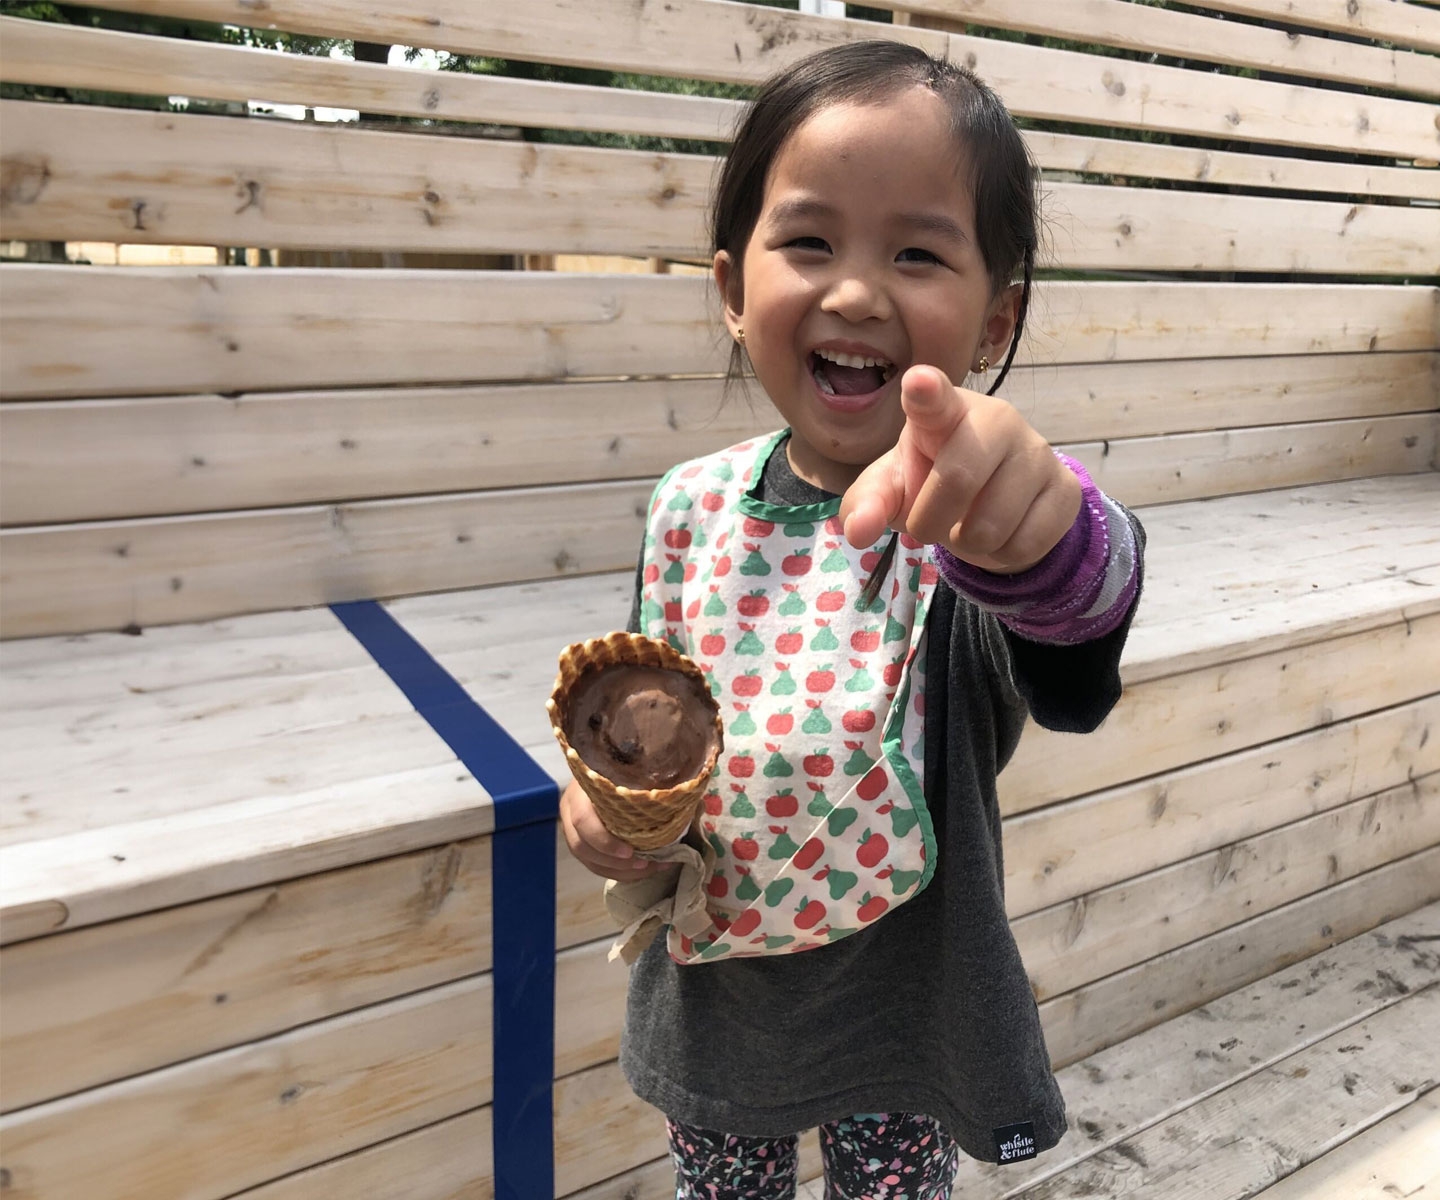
<point x="870" y="1156"/>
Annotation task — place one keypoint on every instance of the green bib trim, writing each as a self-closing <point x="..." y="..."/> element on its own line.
<point x="752" y="506"/>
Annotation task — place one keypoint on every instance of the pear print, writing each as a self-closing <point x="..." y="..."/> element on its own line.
<point x="861" y="681"/>
<point x="714" y="607"/>
<point x="841" y="820"/>
<point x="903" y="881"/>
<point x="835" y="560"/>
<point x="903" y="820"/>
<point x="777" y="766"/>
<point x="819" y="805"/>
<point x="775" y="942"/>
<point x="784" y="848"/>
<point x="675" y="572"/>
<point x="894" y="631"/>
<point x="650" y="612"/>
<point x="816" y="722"/>
<point x="681" y="503"/>
<point x="750" y="643"/>
<point x="840" y="883"/>
<point x="825" y="639"/>
<point x="744" y="724"/>
<point x="785" y="684"/>
<point x="794" y="604"/>
<point x="859" y="763"/>
<point x="754" y="563"/>
<point x="799" y="529"/>
<point x="723" y="471"/>
<point x="747" y="889"/>
<point x="777" y="891"/>
<point x="741" y="806"/>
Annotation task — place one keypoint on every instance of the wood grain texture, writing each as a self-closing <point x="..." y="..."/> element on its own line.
<point x="105" y="60"/>
<point x="699" y="40"/>
<point x="118" y="175"/>
<point x="96" y="331"/>
<point x="1382" y="20"/>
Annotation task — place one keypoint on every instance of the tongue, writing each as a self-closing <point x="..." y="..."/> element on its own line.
<point x="852" y="381"/>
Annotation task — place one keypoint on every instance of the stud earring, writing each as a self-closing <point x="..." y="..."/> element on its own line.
<point x="984" y="364"/>
<point x="740" y="334"/>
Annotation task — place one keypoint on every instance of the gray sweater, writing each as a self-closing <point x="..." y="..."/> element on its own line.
<point x="929" y="1010"/>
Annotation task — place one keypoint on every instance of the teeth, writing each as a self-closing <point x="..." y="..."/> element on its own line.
<point x="853" y="360"/>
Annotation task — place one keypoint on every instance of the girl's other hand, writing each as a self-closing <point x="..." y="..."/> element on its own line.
<point x="599" y="850"/>
<point x="968" y="473"/>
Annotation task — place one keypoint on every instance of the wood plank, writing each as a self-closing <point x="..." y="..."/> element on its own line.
<point x="1086" y="1020"/>
<point x="1166" y="722"/>
<point x="1066" y="850"/>
<point x="122" y="175"/>
<point x="78" y="331"/>
<point x="105" y="60"/>
<point x="1261" y="1129"/>
<point x="109" y="61"/>
<point x="118" y="574"/>
<point x="1194" y="466"/>
<point x="1146" y="1078"/>
<point x="95" y="1005"/>
<point x="449" y="1160"/>
<point x="264" y="1109"/>
<point x="1096" y="934"/>
<point x="696" y="39"/>
<point x="69" y="460"/>
<point x="1187" y="36"/>
<point x="1399" y="1156"/>
<point x="1383" y="20"/>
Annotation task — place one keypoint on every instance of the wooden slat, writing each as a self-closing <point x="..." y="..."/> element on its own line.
<point x="104" y="60"/>
<point x="120" y="175"/>
<point x="170" y="985"/>
<point x="108" y="575"/>
<point x="1300" y="1108"/>
<point x="698" y="39"/>
<point x="92" y="460"/>
<point x="1069" y="849"/>
<point x="265" y="1109"/>
<point x="87" y="331"/>
<point x="1193" y="466"/>
<point x="1119" y="1006"/>
<point x="1074" y="943"/>
<point x="1147" y="1078"/>
<point x="1383" y="20"/>
<point x="449" y="1160"/>
<point x="1190" y="36"/>
<point x="1163" y="723"/>
<point x="1399" y="1156"/>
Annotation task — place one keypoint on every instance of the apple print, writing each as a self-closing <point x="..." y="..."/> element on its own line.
<point x="872" y="907"/>
<point x="809" y="854"/>
<point x="782" y="805"/>
<point x="858" y="720"/>
<point x="873" y="784"/>
<point x="745" y="848"/>
<point x="873" y="848"/>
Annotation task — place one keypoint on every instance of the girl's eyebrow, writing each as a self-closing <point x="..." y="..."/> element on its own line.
<point x="794" y="208"/>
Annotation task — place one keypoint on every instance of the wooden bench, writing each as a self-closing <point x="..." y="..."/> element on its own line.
<point x="245" y="885"/>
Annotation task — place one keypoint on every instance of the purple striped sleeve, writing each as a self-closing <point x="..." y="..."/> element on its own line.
<point x="1081" y="590"/>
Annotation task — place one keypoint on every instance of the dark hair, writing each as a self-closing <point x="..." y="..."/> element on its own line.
<point x="1002" y="174"/>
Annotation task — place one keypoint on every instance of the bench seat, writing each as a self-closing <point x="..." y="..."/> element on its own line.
<point x="266" y="866"/>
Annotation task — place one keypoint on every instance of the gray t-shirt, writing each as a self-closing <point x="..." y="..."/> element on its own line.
<point x="929" y="1010"/>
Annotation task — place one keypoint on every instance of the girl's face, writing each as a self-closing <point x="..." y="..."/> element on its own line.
<point x="863" y="262"/>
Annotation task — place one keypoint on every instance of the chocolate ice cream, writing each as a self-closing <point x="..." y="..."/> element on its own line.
<point x="642" y="727"/>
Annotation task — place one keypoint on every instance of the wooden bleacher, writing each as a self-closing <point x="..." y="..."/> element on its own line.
<point x="245" y="887"/>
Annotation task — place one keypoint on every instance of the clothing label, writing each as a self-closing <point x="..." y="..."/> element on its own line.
<point x="1015" y="1143"/>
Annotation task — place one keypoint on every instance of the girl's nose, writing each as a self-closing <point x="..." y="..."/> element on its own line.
<point x="856" y="298"/>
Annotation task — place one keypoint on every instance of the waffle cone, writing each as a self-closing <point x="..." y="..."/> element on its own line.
<point x="645" y="818"/>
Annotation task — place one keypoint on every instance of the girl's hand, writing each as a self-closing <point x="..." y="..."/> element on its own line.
<point x="969" y="474"/>
<point x="599" y="850"/>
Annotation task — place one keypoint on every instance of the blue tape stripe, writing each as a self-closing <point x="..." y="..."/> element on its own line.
<point x="522" y="897"/>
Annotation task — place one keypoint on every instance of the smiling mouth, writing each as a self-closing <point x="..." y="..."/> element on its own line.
<point x="838" y="374"/>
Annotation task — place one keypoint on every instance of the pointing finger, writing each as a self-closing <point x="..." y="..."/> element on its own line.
<point x="873" y="502"/>
<point x="933" y="406"/>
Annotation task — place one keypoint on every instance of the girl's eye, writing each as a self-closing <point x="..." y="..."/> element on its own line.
<point x="808" y="243"/>
<point x="916" y="255"/>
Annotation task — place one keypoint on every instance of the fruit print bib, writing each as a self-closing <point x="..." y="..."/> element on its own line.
<point x="816" y="811"/>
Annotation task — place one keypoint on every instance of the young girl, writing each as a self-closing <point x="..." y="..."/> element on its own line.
<point x="878" y="594"/>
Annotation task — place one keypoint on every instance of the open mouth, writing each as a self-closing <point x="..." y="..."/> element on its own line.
<point x="839" y="374"/>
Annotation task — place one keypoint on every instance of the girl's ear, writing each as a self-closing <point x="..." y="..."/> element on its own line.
<point x="732" y="291"/>
<point x="999" y="325"/>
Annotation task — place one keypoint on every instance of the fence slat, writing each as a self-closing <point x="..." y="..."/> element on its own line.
<point x="704" y="40"/>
